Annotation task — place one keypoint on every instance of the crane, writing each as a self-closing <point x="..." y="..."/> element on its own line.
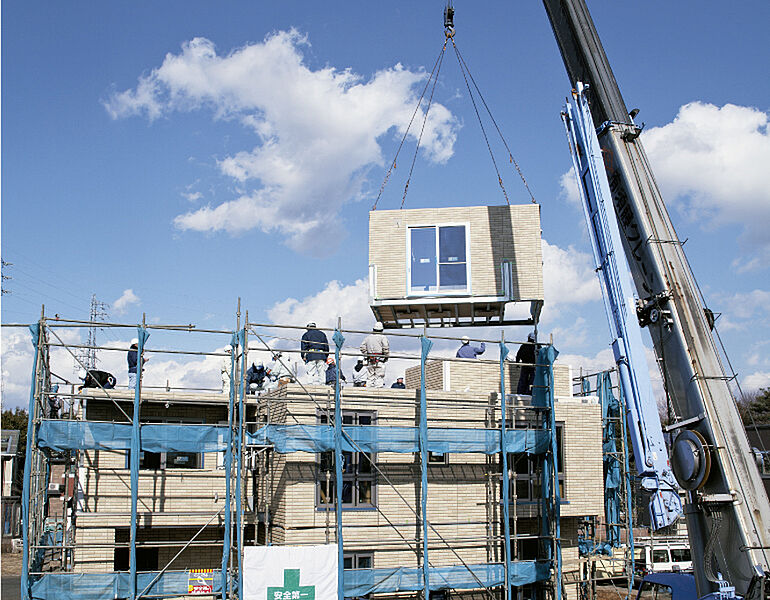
<point x="726" y="509"/>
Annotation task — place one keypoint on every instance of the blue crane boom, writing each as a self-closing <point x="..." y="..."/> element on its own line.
<point x="644" y="426"/>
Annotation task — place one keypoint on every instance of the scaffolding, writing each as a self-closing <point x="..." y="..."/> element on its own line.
<point x="607" y="544"/>
<point x="111" y="447"/>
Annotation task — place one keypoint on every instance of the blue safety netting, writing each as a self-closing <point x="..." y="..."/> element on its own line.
<point x="103" y="586"/>
<point x="359" y="582"/>
<point x="402" y="579"/>
<point x="85" y="435"/>
<point x="320" y="438"/>
<point x="612" y="472"/>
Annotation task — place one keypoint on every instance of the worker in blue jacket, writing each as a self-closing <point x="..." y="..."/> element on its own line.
<point x="314" y="349"/>
<point x="468" y="351"/>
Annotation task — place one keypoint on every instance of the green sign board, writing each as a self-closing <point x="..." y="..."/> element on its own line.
<point x="291" y="589"/>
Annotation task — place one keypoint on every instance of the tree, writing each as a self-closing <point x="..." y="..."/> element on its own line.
<point x="17" y="419"/>
<point x="755" y="408"/>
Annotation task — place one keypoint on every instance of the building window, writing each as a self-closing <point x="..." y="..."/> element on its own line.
<point x="358" y="560"/>
<point x="438" y="458"/>
<point x="358" y="475"/>
<point x="154" y="461"/>
<point x="438" y="259"/>
<point x="527" y="483"/>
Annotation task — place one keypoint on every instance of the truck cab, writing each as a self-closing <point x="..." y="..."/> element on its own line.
<point x="667" y="586"/>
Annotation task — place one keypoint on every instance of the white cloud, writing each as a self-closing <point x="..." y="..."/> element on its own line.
<point x="712" y="163"/>
<point x="351" y="302"/>
<point x="317" y="131"/>
<point x="568" y="276"/>
<point x="743" y="310"/>
<point x="126" y="299"/>
<point x="568" y="187"/>
<point x="756" y="380"/>
<point x="17" y="359"/>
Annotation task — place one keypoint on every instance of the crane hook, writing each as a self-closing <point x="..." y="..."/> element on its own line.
<point x="449" y="20"/>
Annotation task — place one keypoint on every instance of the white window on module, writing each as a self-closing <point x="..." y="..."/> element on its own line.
<point x="438" y="260"/>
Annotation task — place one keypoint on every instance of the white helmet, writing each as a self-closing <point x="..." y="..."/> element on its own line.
<point x="378" y="326"/>
<point x="135" y="342"/>
<point x="465" y="339"/>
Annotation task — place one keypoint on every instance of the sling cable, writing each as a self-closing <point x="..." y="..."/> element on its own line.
<point x="471" y="85"/>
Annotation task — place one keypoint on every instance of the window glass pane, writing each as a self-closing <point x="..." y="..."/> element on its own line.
<point x="522" y="489"/>
<point x="664" y="593"/>
<point x="364" y="419"/>
<point x="347" y="492"/>
<point x="347" y="462"/>
<point x="423" y="259"/>
<point x="364" y="562"/>
<point x="348" y="562"/>
<point x="364" y="462"/>
<point x="181" y="460"/>
<point x="659" y="556"/>
<point x="453" y="276"/>
<point x="364" y="492"/>
<point x="647" y="591"/>
<point x="451" y="244"/>
<point x="680" y="554"/>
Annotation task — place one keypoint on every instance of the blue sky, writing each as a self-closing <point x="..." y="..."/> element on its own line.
<point x="192" y="153"/>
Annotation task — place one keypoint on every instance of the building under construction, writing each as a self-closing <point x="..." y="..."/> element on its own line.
<point x="158" y="491"/>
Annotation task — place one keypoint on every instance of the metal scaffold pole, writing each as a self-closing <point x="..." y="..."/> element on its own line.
<point x="339" y="339"/>
<point x="228" y="467"/>
<point x="36" y="331"/>
<point x="425" y="345"/>
<point x="142" y="336"/>
<point x="506" y="475"/>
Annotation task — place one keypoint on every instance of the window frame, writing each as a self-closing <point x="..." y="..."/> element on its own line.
<point x="468" y="290"/>
<point x="354" y="476"/>
<point x="199" y="460"/>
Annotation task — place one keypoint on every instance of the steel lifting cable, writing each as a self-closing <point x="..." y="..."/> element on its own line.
<point x="422" y="130"/>
<point x="464" y="68"/>
<point x="436" y="64"/>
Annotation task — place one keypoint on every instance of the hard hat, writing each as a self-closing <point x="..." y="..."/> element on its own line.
<point x="531" y="337"/>
<point x="330" y="360"/>
<point x="135" y="342"/>
<point x="228" y="349"/>
<point x="311" y="325"/>
<point x="378" y="326"/>
<point x="465" y="339"/>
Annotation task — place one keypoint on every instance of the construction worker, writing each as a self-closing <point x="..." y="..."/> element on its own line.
<point x="332" y="372"/>
<point x="225" y="367"/>
<point x="526" y="355"/>
<point x="359" y="374"/>
<point x="468" y="351"/>
<point x="376" y="351"/>
<point x="133" y="359"/>
<point x="399" y="384"/>
<point x="314" y="349"/>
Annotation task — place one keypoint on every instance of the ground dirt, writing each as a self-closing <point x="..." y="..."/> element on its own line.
<point x="11" y="564"/>
<point x="610" y="592"/>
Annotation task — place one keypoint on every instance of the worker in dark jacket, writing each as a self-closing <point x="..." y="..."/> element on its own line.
<point x="314" y="349"/>
<point x="468" y="351"/>
<point x="332" y="372"/>
<point x="255" y="378"/>
<point x="399" y="384"/>
<point x="527" y="356"/>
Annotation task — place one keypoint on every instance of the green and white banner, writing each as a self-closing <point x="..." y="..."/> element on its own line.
<point x="290" y="572"/>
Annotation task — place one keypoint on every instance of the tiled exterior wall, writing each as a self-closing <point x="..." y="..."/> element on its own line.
<point x="480" y="377"/>
<point x="463" y="495"/>
<point x="497" y="233"/>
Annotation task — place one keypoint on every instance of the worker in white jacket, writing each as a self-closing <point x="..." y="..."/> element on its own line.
<point x="376" y="351"/>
